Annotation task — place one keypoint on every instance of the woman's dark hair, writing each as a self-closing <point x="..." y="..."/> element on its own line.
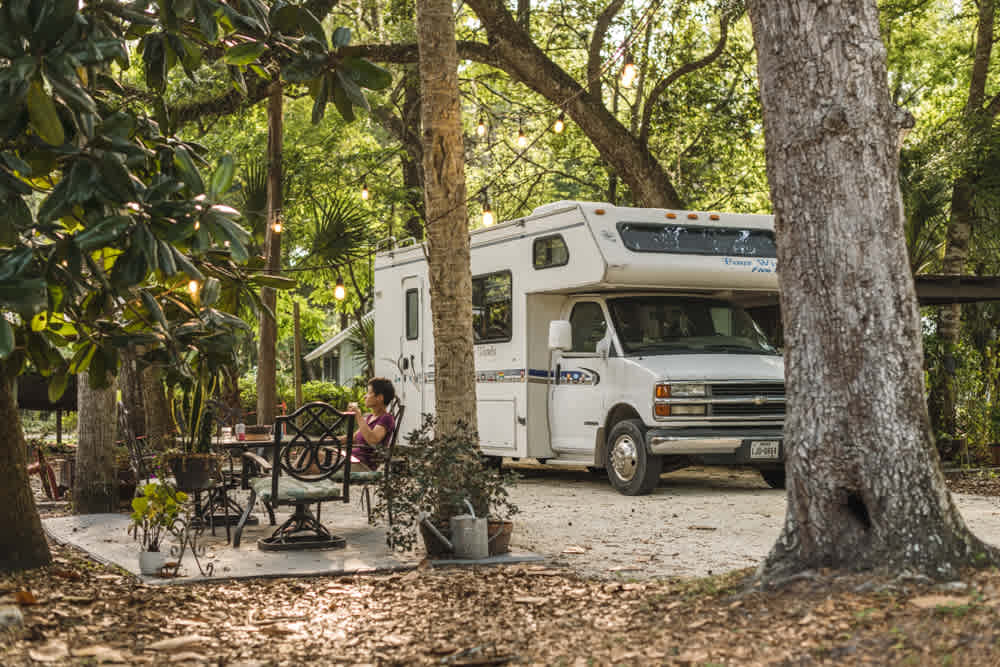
<point x="384" y="387"/>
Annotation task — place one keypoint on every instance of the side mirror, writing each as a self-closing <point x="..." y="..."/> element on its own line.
<point x="560" y="335"/>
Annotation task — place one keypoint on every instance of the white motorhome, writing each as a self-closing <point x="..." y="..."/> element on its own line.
<point x="615" y="338"/>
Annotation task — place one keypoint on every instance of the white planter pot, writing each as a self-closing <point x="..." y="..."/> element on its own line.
<point x="150" y="562"/>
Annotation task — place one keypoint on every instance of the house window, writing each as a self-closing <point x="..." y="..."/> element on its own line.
<point x="549" y="251"/>
<point x="412" y="314"/>
<point x="491" y="308"/>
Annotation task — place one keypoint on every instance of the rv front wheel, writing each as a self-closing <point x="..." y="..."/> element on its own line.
<point x="632" y="470"/>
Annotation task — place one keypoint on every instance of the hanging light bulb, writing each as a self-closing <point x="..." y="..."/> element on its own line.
<point x="193" y="287"/>
<point x="481" y="128"/>
<point x="560" y="123"/>
<point x="629" y="72"/>
<point x="522" y="140"/>
<point x="339" y="291"/>
<point x="276" y="226"/>
<point x="197" y="225"/>
<point x="365" y="194"/>
<point x="487" y="215"/>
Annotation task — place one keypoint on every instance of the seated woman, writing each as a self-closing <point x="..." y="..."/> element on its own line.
<point x="375" y="428"/>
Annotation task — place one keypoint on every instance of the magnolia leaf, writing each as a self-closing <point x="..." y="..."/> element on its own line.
<point x="277" y="282"/>
<point x="341" y="37"/>
<point x="57" y="386"/>
<point x="44" y="117"/>
<point x="367" y="74"/>
<point x="222" y="177"/>
<point x="6" y="338"/>
<point x="244" y="54"/>
<point x="189" y="172"/>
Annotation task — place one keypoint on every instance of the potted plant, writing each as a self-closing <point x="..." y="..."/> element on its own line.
<point x="436" y="478"/>
<point x="193" y="463"/>
<point x="154" y="514"/>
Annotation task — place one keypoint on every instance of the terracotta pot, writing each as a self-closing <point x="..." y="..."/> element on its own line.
<point x="498" y="534"/>
<point x="193" y="473"/>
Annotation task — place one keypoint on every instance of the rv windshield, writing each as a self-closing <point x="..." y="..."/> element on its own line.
<point x="667" y="325"/>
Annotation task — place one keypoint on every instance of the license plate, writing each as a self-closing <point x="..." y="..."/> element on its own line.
<point x="764" y="449"/>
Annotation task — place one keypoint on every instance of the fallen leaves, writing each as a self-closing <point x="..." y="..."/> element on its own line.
<point x="935" y="601"/>
<point x="53" y="651"/>
<point x="177" y="643"/>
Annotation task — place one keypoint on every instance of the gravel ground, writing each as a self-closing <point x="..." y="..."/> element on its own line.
<point x="699" y="521"/>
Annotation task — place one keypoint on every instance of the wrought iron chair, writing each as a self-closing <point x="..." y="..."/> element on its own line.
<point x="142" y="461"/>
<point x="307" y="457"/>
<point x="373" y="477"/>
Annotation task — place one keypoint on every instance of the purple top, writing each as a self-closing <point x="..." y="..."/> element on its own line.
<point x="366" y="453"/>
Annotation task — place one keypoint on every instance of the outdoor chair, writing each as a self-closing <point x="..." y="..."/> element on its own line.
<point x="142" y="461"/>
<point x="372" y="477"/>
<point x="307" y="457"/>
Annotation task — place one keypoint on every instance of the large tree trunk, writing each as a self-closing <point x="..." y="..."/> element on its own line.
<point x="95" y="486"/>
<point x="864" y="486"/>
<point x="447" y="217"/>
<point x="130" y="383"/>
<point x="22" y="541"/>
<point x="267" y="390"/>
<point x="159" y="425"/>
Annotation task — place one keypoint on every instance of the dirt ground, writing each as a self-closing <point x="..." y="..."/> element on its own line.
<point x="78" y="612"/>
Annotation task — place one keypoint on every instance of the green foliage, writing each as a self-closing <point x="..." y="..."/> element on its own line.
<point x="439" y="473"/>
<point x="330" y="392"/>
<point x="154" y="513"/>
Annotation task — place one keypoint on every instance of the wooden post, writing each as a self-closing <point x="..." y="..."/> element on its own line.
<point x="297" y="368"/>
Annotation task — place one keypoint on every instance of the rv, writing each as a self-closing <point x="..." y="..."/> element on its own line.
<point x="624" y="339"/>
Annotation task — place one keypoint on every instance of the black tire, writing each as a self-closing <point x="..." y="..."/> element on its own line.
<point x="775" y="478"/>
<point x="631" y="469"/>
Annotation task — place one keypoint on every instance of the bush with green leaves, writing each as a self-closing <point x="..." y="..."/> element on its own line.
<point x="434" y="475"/>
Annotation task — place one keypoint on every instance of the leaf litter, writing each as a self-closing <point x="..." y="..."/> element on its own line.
<point x="86" y="613"/>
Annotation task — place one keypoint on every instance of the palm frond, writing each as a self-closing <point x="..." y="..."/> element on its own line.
<point x="341" y="231"/>
<point x="363" y="342"/>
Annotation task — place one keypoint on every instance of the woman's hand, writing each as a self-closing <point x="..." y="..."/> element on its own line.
<point x="352" y="408"/>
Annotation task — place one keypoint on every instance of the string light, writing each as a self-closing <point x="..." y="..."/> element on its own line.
<point x="629" y="72"/>
<point x="522" y="140"/>
<point x="197" y="225"/>
<point x="488" y="218"/>
<point x="481" y="128"/>
<point x="193" y="287"/>
<point x="560" y="123"/>
<point x="339" y="291"/>
<point x="365" y="194"/>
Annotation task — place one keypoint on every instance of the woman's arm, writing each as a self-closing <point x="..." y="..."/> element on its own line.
<point x="372" y="436"/>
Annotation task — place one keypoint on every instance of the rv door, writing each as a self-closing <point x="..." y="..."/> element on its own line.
<point x="576" y="397"/>
<point x="411" y="358"/>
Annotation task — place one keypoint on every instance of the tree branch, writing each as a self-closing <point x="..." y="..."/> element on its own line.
<point x="664" y="83"/>
<point x="596" y="42"/>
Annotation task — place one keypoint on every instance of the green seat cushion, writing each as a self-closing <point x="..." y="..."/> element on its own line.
<point x="360" y="476"/>
<point x="291" y="490"/>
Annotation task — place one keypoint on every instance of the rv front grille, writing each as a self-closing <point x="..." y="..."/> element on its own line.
<point x="748" y="400"/>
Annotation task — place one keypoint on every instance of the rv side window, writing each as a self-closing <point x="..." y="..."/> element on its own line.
<point x="491" y="308"/>
<point x="694" y="240"/>
<point x="549" y="251"/>
<point x="588" y="325"/>
<point x="412" y="314"/>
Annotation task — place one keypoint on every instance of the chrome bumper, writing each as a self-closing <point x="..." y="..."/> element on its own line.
<point x="680" y="444"/>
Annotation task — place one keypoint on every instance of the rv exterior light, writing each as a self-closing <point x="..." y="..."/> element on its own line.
<point x="687" y="390"/>
<point x="692" y="216"/>
<point x="339" y="292"/>
<point x="629" y="72"/>
<point x="560" y="123"/>
<point x="481" y="128"/>
<point x="662" y="409"/>
<point x="677" y="410"/>
<point x="365" y="194"/>
<point x="663" y="391"/>
<point x="522" y="140"/>
<point x="671" y="216"/>
<point x="599" y="211"/>
<point x="714" y="216"/>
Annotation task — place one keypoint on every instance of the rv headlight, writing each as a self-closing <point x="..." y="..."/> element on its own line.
<point x="687" y="390"/>
<point x="696" y="410"/>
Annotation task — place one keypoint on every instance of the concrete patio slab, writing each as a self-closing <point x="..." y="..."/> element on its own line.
<point x="105" y="537"/>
